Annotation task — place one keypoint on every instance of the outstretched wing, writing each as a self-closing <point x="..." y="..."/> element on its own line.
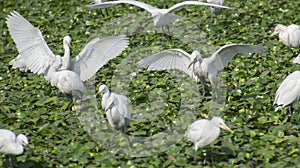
<point x="168" y="59"/>
<point x="96" y="54"/>
<point x="222" y="56"/>
<point x="30" y="43"/>
<point x="187" y="3"/>
<point x="142" y="5"/>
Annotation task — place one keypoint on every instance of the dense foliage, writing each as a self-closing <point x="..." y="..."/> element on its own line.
<point x="164" y="103"/>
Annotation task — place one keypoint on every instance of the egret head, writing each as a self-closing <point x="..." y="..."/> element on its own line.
<point x="102" y="89"/>
<point x="220" y="122"/>
<point x="67" y="40"/>
<point x="22" y="139"/>
<point x="279" y="28"/>
<point x="195" y="56"/>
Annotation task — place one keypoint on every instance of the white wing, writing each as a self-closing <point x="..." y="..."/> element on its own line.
<point x="142" y="5"/>
<point x="124" y="105"/>
<point x="96" y="54"/>
<point x="168" y="59"/>
<point x="30" y="43"/>
<point x="187" y="3"/>
<point x="222" y="56"/>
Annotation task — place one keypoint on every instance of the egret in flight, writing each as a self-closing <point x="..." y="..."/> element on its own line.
<point x="201" y="69"/>
<point x="161" y="17"/>
<point x="36" y="56"/>
<point x="288" y="92"/>
<point x="215" y="10"/>
<point x="203" y="132"/>
<point x="288" y="35"/>
<point x="10" y="144"/>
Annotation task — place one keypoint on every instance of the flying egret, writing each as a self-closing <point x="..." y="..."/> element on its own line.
<point x="288" y="92"/>
<point x="10" y="144"/>
<point x="117" y="113"/>
<point x="161" y="17"/>
<point x="203" y="132"/>
<point x="215" y="10"/>
<point x="288" y="35"/>
<point x="36" y="56"/>
<point x="202" y="69"/>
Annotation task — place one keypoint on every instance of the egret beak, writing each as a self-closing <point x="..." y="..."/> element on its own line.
<point x="69" y="43"/>
<point x="98" y="93"/>
<point x="191" y="63"/>
<point x="273" y="34"/>
<point x="228" y="129"/>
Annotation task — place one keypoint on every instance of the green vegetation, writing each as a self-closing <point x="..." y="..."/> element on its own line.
<point x="164" y="104"/>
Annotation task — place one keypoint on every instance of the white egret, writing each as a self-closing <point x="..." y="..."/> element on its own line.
<point x="10" y="144"/>
<point x="288" y="92"/>
<point x="297" y="59"/>
<point x="161" y="17"/>
<point x="215" y="10"/>
<point x="288" y="35"/>
<point x="117" y="113"/>
<point x="202" y="69"/>
<point x="203" y="132"/>
<point x="36" y="56"/>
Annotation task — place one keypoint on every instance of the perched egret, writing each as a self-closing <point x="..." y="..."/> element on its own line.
<point x="202" y="69"/>
<point x="288" y="35"/>
<point x="203" y="132"/>
<point x="161" y="17"/>
<point x="288" y="92"/>
<point x="36" y="56"/>
<point x="10" y="144"/>
<point x="117" y="113"/>
<point x="297" y="59"/>
<point x="215" y="10"/>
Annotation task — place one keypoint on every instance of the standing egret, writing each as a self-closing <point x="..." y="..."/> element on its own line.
<point x="117" y="113"/>
<point x="288" y="35"/>
<point x="161" y="17"/>
<point x="203" y="132"/>
<point x="36" y="56"/>
<point x="10" y="144"/>
<point x="203" y="69"/>
<point x="215" y="10"/>
<point x="288" y="92"/>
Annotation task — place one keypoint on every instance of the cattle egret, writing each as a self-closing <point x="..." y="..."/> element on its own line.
<point x="288" y="92"/>
<point x="288" y="35"/>
<point x="203" y="132"/>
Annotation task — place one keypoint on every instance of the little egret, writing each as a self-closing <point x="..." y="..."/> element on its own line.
<point x="288" y="92"/>
<point x="203" y="69"/>
<point x="288" y="35"/>
<point x="10" y="144"/>
<point x="203" y="132"/>
<point x="117" y="114"/>
<point x="161" y="17"/>
<point x="215" y="10"/>
<point x="36" y="56"/>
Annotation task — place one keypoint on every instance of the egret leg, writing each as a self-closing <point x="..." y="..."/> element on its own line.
<point x="211" y="156"/>
<point x="195" y="158"/>
<point x="10" y="162"/>
<point x="290" y="109"/>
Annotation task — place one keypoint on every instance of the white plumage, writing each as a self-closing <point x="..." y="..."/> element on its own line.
<point x="36" y="56"/>
<point x="288" y="35"/>
<point x="161" y="17"/>
<point x="288" y="92"/>
<point x="10" y="144"/>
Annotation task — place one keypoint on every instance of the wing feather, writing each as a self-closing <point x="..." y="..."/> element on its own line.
<point x="30" y="43"/>
<point x="168" y="59"/>
<point x="187" y="3"/>
<point x="96" y="54"/>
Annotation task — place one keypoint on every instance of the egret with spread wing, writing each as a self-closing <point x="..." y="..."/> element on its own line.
<point x="161" y="17"/>
<point x="203" y="132"/>
<point x="202" y="69"/>
<point x="36" y="56"/>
